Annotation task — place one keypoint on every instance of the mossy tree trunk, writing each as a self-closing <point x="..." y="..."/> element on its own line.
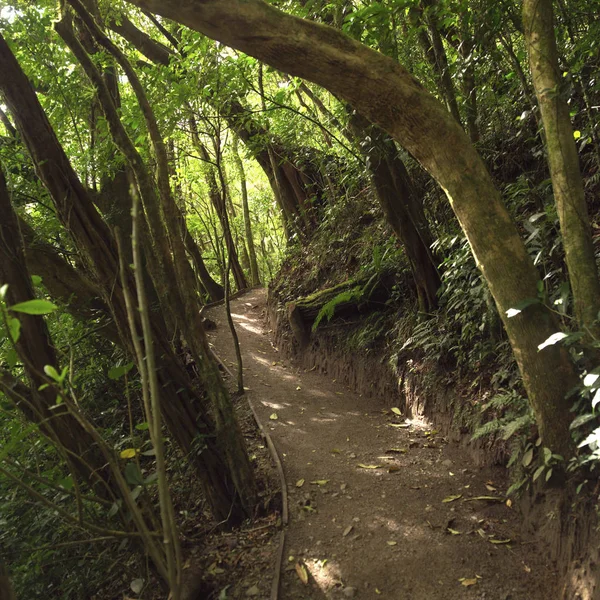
<point x="36" y="351"/>
<point x="563" y="162"/>
<point x="210" y="442"/>
<point x="389" y="96"/>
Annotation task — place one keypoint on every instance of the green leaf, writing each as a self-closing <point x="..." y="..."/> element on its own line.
<point x="34" y="307"/>
<point x="133" y="476"/>
<point x="36" y="279"/>
<point x="11" y="358"/>
<point x="527" y="457"/>
<point x="538" y="472"/>
<point x="14" y="329"/>
<point x="52" y="373"/>
<point x="117" y="372"/>
<point x="142" y="426"/>
<point x="581" y="420"/>
<point x="553" y="339"/>
<point x="520" y="306"/>
<point x="576" y="134"/>
<point x="3" y="291"/>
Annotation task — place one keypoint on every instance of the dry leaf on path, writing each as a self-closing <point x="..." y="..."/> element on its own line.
<point x="320" y="481"/>
<point x="468" y="582"/>
<point x="300" y="483"/>
<point x="347" y="530"/>
<point x="273" y="417"/>
<point x="397" y="411"/>
<point x="302" y="573"/>
<point x="370" y="466"/>
<point x="452" y="498"/>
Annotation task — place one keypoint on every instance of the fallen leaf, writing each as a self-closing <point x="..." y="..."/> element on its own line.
<point x="490" y="488"/>
<point x="137" y="585"/>
<point x="300" y="483"/>
<point x="453" y="531"/>
<point x="402" y="425"/>
<point x="378" y="591"/>
<point x="507" y="541"/>
<point x="298" y="388"/>
<point x="391" y="543"/>
<point x="509" y="503"/>
<point x="321" y="481"/>
<point x="452" y="498"/>
<point x="347" y="530"/>
<point x="369" y="466"/>
<point x="468" y="582"/>
<point x="274" y="417"/>
<point x="302" y="573"/>
<point x="485" y="498"/>
<point x="335" y="451"/>
<point x="291" y="558"/>
<point x="397" y="411"/>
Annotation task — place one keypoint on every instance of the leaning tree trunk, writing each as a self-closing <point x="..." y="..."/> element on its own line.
<point x="36" y="351"/>
<point x="389" y="96"/>
<point x="402" y="208"/>
<point x="564" y="163"/>
<point x="184" y="409"/>
<point x="290" y="188"/>
<point x="175" y="270"/>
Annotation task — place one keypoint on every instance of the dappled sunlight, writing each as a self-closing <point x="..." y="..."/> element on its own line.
<point x="381" y="521"/>
<point x="322" y="420"/>
<point x="410" y="531"/>
<point x="261" y="360"/>
<point x="275" y="405"/>
<point x="327" y="574"/>
<point x="250" y="328"/>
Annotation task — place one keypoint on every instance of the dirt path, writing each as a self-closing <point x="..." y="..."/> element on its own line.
<point x="397" y="531"/>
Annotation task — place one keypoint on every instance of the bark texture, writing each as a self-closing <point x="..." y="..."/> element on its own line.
<point x="184" y="408"/>
<point x="563" y="162"/>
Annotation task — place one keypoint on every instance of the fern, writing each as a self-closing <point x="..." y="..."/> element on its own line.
<point x="328" y="309"/>
<point x="486" y="429"/>
<point x="510" y="428"/>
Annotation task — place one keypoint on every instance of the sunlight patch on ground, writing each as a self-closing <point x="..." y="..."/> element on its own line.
<point x="322" y="420"/>
<point x="326" y="574"/>
<point x="250" y="328"/>
<point x="381" y="521"/>
<point x="273" y="404"/>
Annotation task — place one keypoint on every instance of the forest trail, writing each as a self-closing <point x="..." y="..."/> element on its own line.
<point x="409" y="529"/>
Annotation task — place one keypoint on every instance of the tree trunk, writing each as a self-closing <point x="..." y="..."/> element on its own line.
<point x="185" y="411"/>
<point x="36" y="351"/>
<point x="402" y="208"/>
<point x="433" y="47"/>
<point x="254" y="274"/>
<point x="280" y="167"/>
<point x="389" y="96"/>
<point x="564" y="163"/>
<point x="175" y="271"/>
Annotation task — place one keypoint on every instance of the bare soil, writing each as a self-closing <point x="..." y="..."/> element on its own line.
<point x="380" y="506"/>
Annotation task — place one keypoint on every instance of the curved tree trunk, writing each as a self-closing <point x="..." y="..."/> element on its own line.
<point x="184" y="410"/>
<point x="389" y="96"/>
<point x="564" y="163"/>
<point x="36" y="351"/>
<point x="402" y="208"/>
